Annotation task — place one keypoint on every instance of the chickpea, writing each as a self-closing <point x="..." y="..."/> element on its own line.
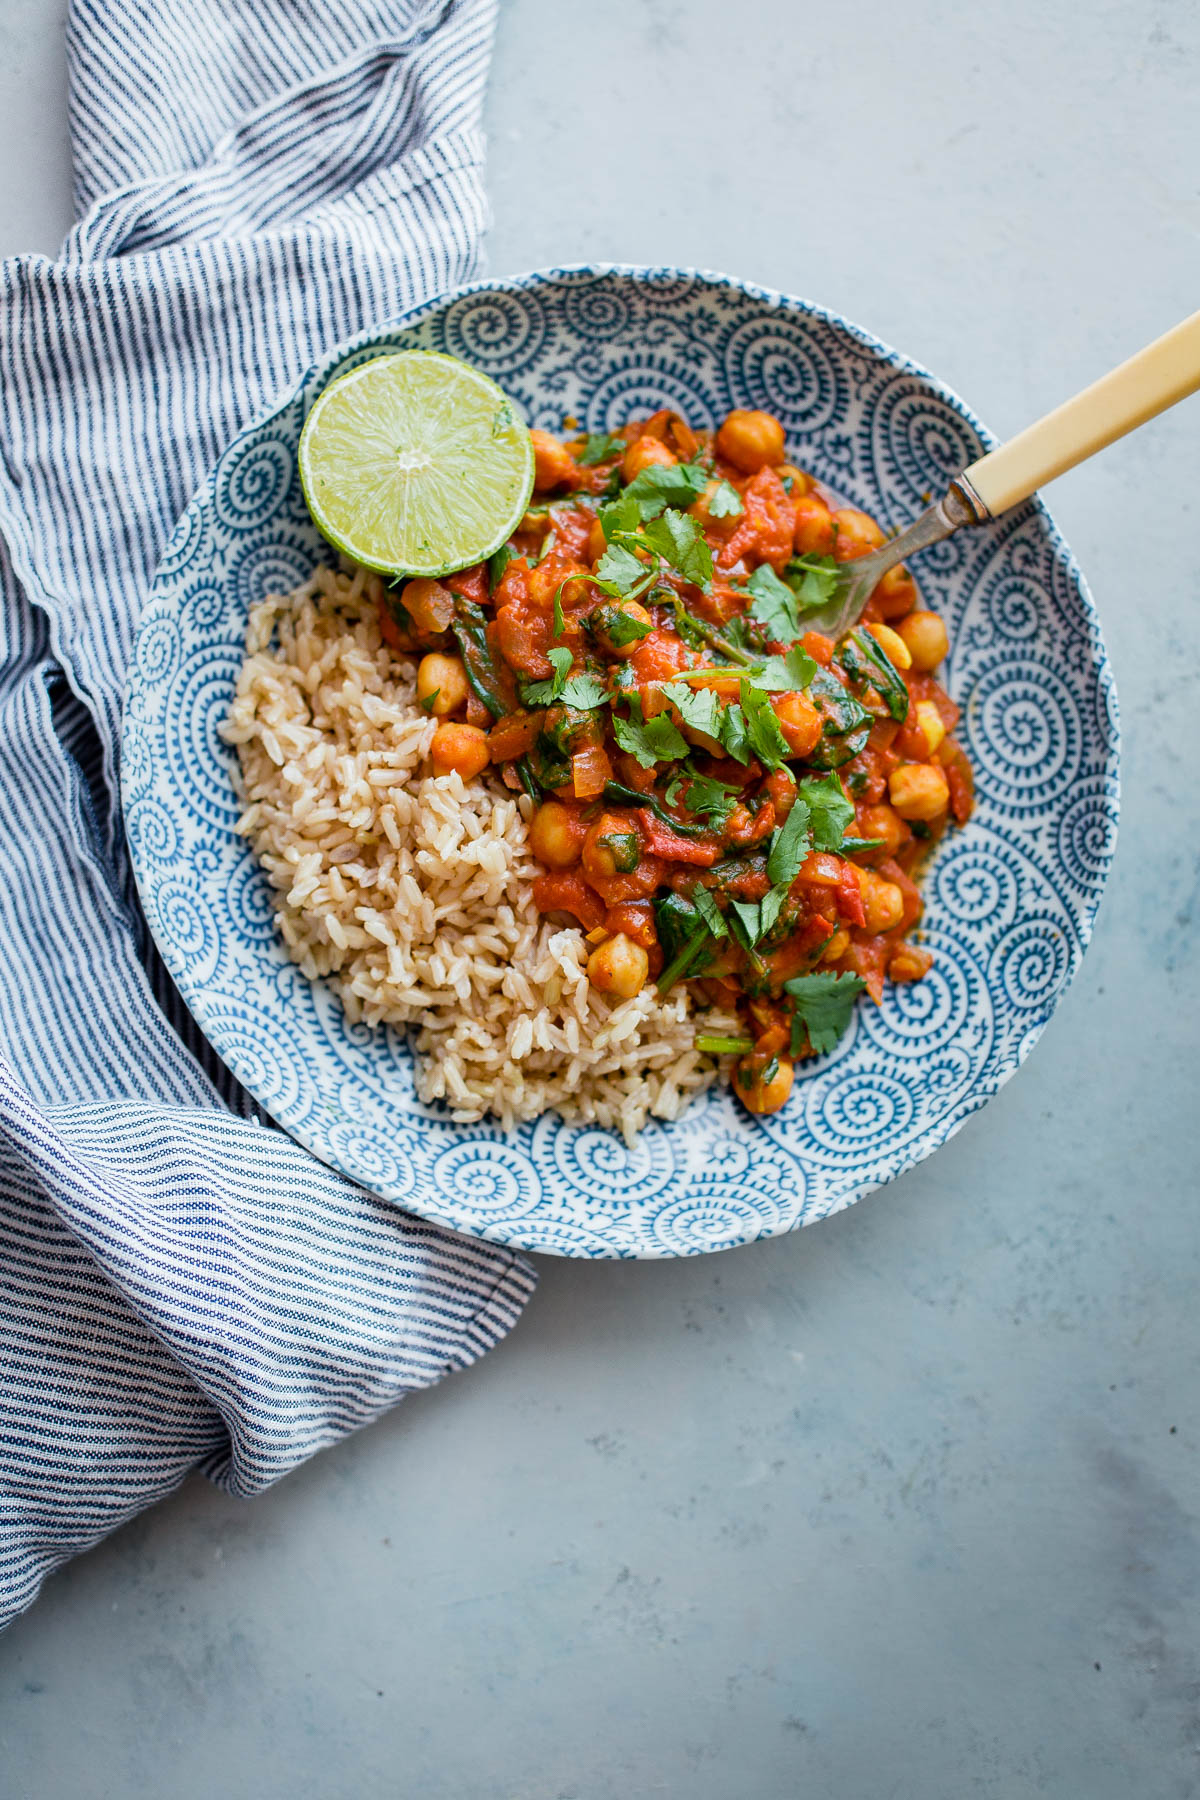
<point x="799" y="721"/>
<point x="600" y="859"/>
<point x="461" y="748"/>
<point x="930" y="721"/>
<point x="892" y="645"/>
<point x="883" y="902"/>
<point x="907" y="963"/>
<point x="884" y="822"/>
<point x="441" y="684"/>
<point x="757" y="1095"/>
<point x="896" y="594"/>
<point x="750" y="440"/>
<point x="837" y="946"/>
<point x="631" y="610"/>
<point x="925" y="635"/>
<point x="555" y="836"/>
<point x="643" y="453"/>
<point x="597" y="543"/>
<point x="814" y="527"/>
<point x="857" y="533"/>
<point x="919" y="790"/>
<point x="618" y="966"/>
<point x="553" y="463"/>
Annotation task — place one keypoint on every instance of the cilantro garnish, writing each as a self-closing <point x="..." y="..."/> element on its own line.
<point x="583" y="692"/>
<point x="620" y="628"/>
<point x="763" y="733"/>
<point x="824" y="1004"/>
<point x="789" y="673"/>
<point x="702" y="796"/>
<point x="621" y="570"/>
<point x="831" y="812"/>
<point x="789" y="847"/>
<point x="666" y="484"/>
<point x="545" y="693"/>
<point x="698" y="707"/>
<point x="726" y="502"/>
<point x="678" y="539"/>
<point x="600" y="447"/>
<point x="774" y="604"/>
<point x="650" y="740"/>
<point x="428" y="700"/>
<point x="813" y="580"/>
<point x="724" y="1046"/>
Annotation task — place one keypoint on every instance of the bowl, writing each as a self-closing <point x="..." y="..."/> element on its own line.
<point x="1010" y="899"/>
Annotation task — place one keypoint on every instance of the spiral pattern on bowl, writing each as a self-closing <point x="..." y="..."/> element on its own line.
<point x="1009" y="900"/>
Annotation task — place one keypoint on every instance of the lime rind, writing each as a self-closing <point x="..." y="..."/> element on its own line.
<point x="414" y="463"/>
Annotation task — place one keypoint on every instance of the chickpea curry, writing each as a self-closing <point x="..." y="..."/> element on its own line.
<point x="722" y="796"/>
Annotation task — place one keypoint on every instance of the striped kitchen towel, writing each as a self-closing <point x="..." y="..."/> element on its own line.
<point x="180" y="1283"/>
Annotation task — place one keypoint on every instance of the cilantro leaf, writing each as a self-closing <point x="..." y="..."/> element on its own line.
<point x="770" y="907"/>
<point x="726" y="502"/>
<point x="584" y="692"/>
<point x="831" y="812"/>
<point x="813" y="580"/>
<point x="497" y="562"/>
<point x="600" y="447"/>
<point x="620" y="515"/>
<point x="545" y="693"/>
<point x="620" y="628"/>
<point x="620" y="569"/>
<point x="666" y="484"/>
<point x="786" y="674"/>
<point x="774" y="604"/>
<point x="698" y="707"/>
<point x="559" y="623"/>
<point x="709" y="911"/>
<point x="651" y="741"/>
<point x="704" y="797"/>
<point x="763" y="734"/>
<point x="824" y="1004"/>
<point x="734" y="735"/>
<point x="678" y="539"/>
<point x="789" y="847"/>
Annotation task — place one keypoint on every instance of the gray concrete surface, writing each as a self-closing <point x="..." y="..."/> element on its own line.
<point x="905" y="1505"/>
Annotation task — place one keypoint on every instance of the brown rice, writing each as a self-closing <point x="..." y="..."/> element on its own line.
<point x="411" y="892"/>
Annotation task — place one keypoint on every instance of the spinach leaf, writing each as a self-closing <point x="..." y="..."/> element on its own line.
<point x="866" y="661"/>
<point x="470" y="633"/>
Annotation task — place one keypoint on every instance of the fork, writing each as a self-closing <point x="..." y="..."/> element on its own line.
<point x="1166" y="371"/>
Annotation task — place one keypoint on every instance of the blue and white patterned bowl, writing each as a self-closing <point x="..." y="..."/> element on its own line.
<point x="1009" y="901"/>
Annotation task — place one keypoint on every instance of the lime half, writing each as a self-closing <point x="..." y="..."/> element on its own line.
<point x="415" y="464"/>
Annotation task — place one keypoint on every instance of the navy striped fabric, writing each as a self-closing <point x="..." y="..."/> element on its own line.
<point x="180" y="1283"/>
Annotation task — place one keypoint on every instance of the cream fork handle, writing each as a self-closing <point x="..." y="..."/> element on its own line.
<point x="1165" y="371"/>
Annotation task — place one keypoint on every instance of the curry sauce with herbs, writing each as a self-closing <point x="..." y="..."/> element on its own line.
<point x="722" y="797"/>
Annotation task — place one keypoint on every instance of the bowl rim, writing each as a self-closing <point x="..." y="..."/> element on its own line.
<point x="321" y="367"/>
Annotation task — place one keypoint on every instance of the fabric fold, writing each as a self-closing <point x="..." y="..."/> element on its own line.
<point x="181" y="1284"/>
